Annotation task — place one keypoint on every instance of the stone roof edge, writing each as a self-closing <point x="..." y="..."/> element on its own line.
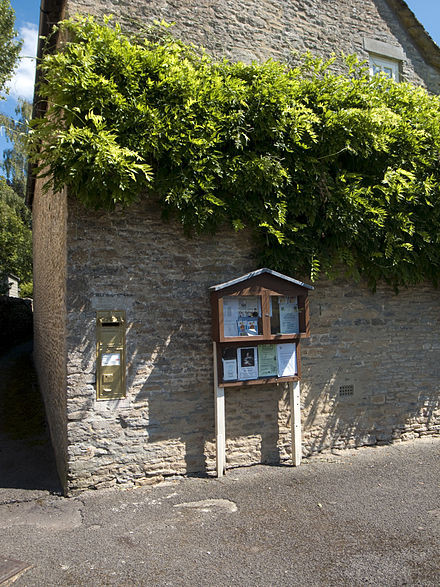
<point x="427" y="47"/>
<point x="51" y="12"/>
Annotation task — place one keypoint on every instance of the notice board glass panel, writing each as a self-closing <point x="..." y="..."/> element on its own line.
<point x="241" y="316"/>
<point x="259" y="362"/>
<point x="284" y="315"/>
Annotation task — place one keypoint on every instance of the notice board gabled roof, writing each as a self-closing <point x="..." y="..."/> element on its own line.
<point x="226" y="284"/>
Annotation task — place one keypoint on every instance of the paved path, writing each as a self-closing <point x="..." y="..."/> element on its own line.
<point x="363" y="517"/>
<point x="27" y="467"/>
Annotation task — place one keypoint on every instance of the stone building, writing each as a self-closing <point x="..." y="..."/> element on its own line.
<point x="370" y="370"/>
<point x="10" y="285"/>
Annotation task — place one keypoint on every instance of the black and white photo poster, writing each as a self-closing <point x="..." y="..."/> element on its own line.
<point x="247" y="363"/>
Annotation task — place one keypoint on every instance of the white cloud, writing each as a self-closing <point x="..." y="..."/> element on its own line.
<point x="22" y="83"/>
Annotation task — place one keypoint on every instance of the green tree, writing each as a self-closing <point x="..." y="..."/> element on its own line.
<point x="15" y="218"/>
<point x="10" y="45"/>
<point x="15" y="237"/>
<point x="15" y="158"/>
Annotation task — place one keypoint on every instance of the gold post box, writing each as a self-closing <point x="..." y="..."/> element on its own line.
<point x="110" y="354"/>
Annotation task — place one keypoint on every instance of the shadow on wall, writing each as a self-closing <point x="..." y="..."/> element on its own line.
<point x="253" y="426"/>
<point x="26" y="457"/>
<point x="179" y="409"/>
<point x="348" y="415"/>
<point x="370" y="368"/>
<point x="370" y="375"/>
<point x="167" y="424"/>
<point x="175" y="401"/>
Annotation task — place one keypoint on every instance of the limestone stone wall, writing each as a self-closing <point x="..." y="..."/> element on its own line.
<point x="385" y="346"/>
<point x="132" y="261"/>
<point x="258" y="29"/>
<point x="49" y="251"/>
<point x="370" y="369"/>
<point x="378" y="350"/>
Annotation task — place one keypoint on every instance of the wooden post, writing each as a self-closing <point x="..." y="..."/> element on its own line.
<point x="295" y="422"/>
<point x="220" y="434"/>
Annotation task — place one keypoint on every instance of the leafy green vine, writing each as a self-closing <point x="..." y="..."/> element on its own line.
<point x="327" y="169"/>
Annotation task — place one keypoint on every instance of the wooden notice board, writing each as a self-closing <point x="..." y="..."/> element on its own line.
<point x="258" y="322"/>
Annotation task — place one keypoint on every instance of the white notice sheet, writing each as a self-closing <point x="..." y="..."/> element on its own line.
<point x="249" y="306"/>
<point x="229" y="369"/>
<point x="286" y="358"/>
<point x="230" y="316"/>
<point x="247" y="363"/>
<point x="289" y="320"/>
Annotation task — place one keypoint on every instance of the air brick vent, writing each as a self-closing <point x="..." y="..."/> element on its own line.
<point x="346" y="390"/>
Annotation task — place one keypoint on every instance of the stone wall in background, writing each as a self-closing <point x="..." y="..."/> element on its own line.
<point x="370" y="371"/>
<point x="49" y="214"/>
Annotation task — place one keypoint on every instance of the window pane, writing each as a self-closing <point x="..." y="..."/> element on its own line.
<point x="383" y="65"/>
<point x="376" y="69"/>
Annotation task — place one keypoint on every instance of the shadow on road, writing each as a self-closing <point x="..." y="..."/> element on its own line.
<point x="26" y="456"/>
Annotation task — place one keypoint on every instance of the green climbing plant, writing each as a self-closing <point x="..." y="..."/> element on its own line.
<point x="329" y="170"/>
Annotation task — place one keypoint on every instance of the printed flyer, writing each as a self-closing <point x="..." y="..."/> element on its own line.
<point x="247" y="363"/>
<point x="247" y="326"/>
<point x="229" y="369"/>
<point x="289" y="320"/>
<point x="240" y="315"/>
<point x="230" y="315"/>
<point x="286" y="358"/>
<point x="267" y="360"/>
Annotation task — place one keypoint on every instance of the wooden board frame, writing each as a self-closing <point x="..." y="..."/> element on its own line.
<point x="263" y="286"/>
<point x="264" y="283"/>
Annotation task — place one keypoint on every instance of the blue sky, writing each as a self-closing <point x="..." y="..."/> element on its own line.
<point x="27" y="14"/>
<point x="428" y="13"/>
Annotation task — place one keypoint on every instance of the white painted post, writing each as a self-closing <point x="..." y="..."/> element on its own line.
<point x="220" y="433"/>
<point x="295" y="422"/>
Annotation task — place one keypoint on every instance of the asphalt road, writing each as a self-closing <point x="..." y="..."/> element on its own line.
<point x="363" y="517"/>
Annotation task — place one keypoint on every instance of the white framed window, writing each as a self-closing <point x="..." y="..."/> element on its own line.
<point x="389" y="67"/>
<point x="384" y="58"/>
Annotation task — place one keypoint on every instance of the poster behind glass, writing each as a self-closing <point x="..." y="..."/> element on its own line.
<point x="241" y="316"/>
